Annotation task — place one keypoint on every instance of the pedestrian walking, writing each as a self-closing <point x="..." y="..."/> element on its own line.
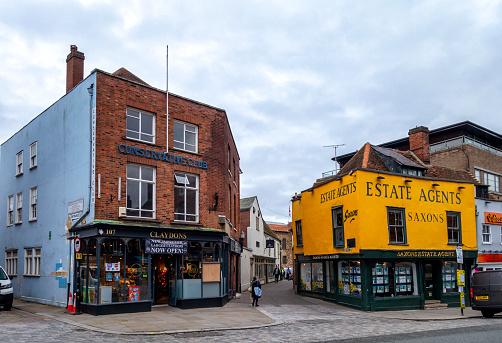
<point x="282" y="273"/>
<point x="276" y="273"/>
<point x="255" y="291"/>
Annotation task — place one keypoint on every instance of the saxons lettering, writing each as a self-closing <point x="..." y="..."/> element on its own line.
<point x="350" y="214"/>
<point x="168" y="235"/>
<point x="426" y="217"/>
<point x="162" y="156"/>
<point x="338" y="192"/>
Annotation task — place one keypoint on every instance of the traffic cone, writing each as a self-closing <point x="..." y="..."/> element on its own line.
<point x="71" y="308"/>
<point x="74" y="302"/>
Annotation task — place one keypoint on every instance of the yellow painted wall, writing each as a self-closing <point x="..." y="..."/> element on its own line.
<point x="425" y="210"/>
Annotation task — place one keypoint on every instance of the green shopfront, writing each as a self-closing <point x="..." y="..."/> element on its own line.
<point x="122" y="269"/>
<point x="377" y="280"/>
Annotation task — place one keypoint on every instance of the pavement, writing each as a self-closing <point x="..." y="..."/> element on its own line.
<point x="236" y="315"/>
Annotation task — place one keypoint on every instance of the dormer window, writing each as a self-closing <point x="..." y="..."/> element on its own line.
<point x="412" y="172"/>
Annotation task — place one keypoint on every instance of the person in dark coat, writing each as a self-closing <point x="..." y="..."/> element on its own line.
<point x="254" y="284"/>
<point x="276" y="273"/>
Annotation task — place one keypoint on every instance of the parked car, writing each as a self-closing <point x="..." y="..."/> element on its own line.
<point x="6" y="291"/>
<point x="486" y="292"/>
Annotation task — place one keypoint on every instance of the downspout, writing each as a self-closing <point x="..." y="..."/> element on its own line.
<point x="91" y="92"/>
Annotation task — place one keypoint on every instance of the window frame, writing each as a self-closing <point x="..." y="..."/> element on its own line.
<point x="185" y="201"/>
<point x="390" y="226"/>
<point x="33" y="203"/>
<point x="11" y="262"/>
<point x="18" y="216"/>
<point x="184" y="142"/>
<point x="32" y="259"/>
<point x="337" y="229"/>
<point x="33" y="155"/>
<point x="299" y="234"/>
<point x="19" y="163"/>
<point x="486" y="231"/>
<point x="457" y="229"/>
<point x="140" y="133"/>
<point x="10" y="210"/>
<point x="141" y="181"/>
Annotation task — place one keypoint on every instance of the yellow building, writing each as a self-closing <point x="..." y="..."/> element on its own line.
<point x="382" y="234"/>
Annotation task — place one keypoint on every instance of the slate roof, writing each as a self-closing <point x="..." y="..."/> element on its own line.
<point x="246" y="203"/>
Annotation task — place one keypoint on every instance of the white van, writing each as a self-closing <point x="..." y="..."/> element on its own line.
<point x="6" y="291"/>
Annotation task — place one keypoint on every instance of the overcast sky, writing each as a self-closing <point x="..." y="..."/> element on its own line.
<point x="293" y="76"/>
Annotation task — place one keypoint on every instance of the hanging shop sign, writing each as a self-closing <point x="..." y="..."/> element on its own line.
<point x="270" y="243"/>
<point x="162" y="246"/>
<point x="161" y="156"/>
<point x="493" y="218"/>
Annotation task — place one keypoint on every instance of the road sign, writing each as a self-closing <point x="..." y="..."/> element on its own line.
<point x="78" y="256"/>
<point x="77" y="244"/>
<point x="460" y="255"/>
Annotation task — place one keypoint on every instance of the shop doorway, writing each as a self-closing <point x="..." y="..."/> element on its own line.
<point x="432" y="282"/>
<point x="164" y="285"/>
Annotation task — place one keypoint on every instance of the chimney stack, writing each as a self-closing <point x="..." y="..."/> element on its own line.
<point x="419" y="143"/>
<point x="74" y="68"/>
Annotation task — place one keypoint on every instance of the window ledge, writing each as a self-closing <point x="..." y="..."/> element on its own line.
<point x="18" y="223"/>
<point x="32" y="220"/>
<point x="30" y="275"/>
<point x="31" y="168"/>
<point x="403" y="244"/>
<point x="186" y="223"/>
<point x="144" y="142"/>
<point x="455" y="244"/>
<point x="137" y="219"/>
<point x="186" y="151"/>
<point x="19" y="174"/>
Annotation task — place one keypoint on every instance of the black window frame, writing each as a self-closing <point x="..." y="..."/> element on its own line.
<point x="299" y="236"/>
<point x="338" y="226"/>
<point x="394" y="226"/>
<point x="458" y="229"/>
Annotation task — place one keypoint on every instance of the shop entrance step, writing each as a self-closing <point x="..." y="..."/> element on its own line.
<point x="434" y="305"/>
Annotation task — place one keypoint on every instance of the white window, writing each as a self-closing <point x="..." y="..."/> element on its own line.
<point x="487" y="234"/>
<point x="185" y="136"/>
<point x="140" y="191"/>
<point x="492" y="181"/>
<point x="186" y="197"/>
<point x="33" y="203"/>
<point x="32" y="261"/>
<point x="11" y="262"/>
<point x="33" y="155"/>
<point x="10" y="210"/>
<point x="477" y="175"/>
<point x="19" y="208"/>
<point x="19" y="163"/>
<point x="140" y="125"/>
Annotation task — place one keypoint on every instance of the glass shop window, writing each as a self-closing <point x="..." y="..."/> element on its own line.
<point x="311" y="277"/>
<point x="349" y="281"/>
<point x="136" y="271"/>
<point x="211" y="252"/>
<point x="391" y="279"/>
<point x="89" y="277"/>
<point x="449" y="271"/>
<point x="330" y="277"/>
<point x="192" y="276"/>
<point x="111" y="266"/>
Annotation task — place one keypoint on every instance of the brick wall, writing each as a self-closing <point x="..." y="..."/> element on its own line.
<point x="113" y="96"/>
<point x="467" y="157"/>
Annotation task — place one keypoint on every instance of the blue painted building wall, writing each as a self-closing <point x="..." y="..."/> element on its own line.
<point x="62" y="175"/>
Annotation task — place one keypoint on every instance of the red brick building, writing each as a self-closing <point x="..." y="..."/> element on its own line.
<point x="166" y="198"/>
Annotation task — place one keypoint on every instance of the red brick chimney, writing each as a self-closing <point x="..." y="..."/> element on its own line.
<point x="74" y="68"/>
<point x="419" y="143"/>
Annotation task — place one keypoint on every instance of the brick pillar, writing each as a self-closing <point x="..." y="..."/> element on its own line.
<point x="419" y="143"/>
<point x="74" y="68"/>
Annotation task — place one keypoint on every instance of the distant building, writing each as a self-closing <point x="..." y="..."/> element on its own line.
<point x="261" y="246"/>
<point x="285" y="235"/>
<point x="151" y="197"/>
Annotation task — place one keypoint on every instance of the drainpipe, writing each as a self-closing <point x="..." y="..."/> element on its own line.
<point x="73" y="278"/>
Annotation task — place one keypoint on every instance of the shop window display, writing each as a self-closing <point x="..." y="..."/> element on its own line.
<point x="211" y="269"/>
<point x="311" y="277"/>
<point x="449" y="270"/>
<point x="192" y="275"/>
<point x="112" y="282"/>
<point x="349" y="281"/>
<point x="391" y="279"/>
<point x="89" y="278"/>
<point x="136" y="271"/>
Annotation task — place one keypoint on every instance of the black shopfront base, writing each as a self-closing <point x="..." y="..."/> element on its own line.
<point x="116" y="308"/>
<point x="201" y="303"/>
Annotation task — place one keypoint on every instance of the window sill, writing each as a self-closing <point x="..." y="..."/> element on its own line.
<point x="20" y="174"/>
<point x="137" y="219"/>
<point x="32" y="220"/>
<point x="456" y="244"/>
<point x="143" y="142"/>
<point x="402" y="244"/>
<point x="18" y="223"/>
<point x="33" y="167"/>
<point x="186" y="223"/>
<point x="186" y="151"/>
<point x="30" y="275"/>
